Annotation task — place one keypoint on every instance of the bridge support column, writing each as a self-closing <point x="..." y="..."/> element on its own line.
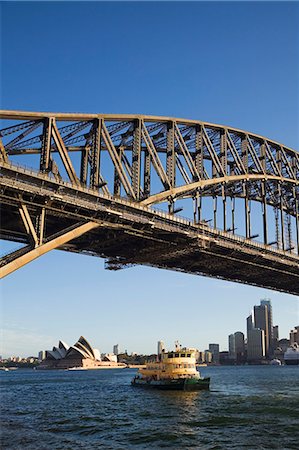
<point x="45" y="156"/>
<point x="281" y="218"/>
<point x="197" y="205"/>
<point x="56" y="242"/>
<point x="264" y="206"/>
<point x="233" y="214"/>
<point x="147" y="174"/>
<point x="247" y="214"/>
<point x="297" y="221"/>
<point x="136" y="159"/>
<point x="215" y="211"/>
<point x="224" y="207"/>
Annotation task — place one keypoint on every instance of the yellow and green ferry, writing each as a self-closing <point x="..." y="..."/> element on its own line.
<point x="175" y="370"/>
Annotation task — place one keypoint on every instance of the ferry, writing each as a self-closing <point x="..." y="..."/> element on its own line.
<point x="174" y="370"/>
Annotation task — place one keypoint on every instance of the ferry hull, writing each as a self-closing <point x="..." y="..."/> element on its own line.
<point x="175" y="385"/>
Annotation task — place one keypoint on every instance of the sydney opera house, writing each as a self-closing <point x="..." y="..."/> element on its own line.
<point x="80" y="355"/>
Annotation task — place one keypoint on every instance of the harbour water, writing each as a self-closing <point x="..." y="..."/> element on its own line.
<point x="248" y="407"/>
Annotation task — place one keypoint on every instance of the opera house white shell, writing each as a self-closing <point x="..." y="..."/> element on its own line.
<point x="79" y="355"/>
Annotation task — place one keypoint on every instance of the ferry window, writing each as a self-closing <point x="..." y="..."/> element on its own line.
<point x="177" y="366"/>
<point x="188" y="355"/>
<point x="170" y="355"/>
<point x="177" y="355"/>
<point x="183" y="355"/>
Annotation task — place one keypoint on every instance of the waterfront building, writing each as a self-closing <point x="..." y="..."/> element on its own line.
<point x="42" y="355"/>
<point x="294" y="336"/>
<point x="231" y="347"/>
<point x="208" y="356"/>
<point x="80" y="355"/>
<point x="269" y="337"/>
<point x="214" y="349"/>
<point x="263" y="320"/>
<point x="224" y="358"/>
<point x="200" y="357"/>
<point x="256" y="345"/>
<point x="275" y="333"/>
<point x="239" y="347"/>
<point x="116" y="349"/>
<point x="249" y="323"/>
<point x="161" y="347"/>
<point x="275" y="338"/>
<point x="236" y="347"/>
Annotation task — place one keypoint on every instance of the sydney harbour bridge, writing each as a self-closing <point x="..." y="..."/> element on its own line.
<point x="171" y="193"/>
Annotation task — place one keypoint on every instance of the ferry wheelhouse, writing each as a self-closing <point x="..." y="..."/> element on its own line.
<point x="172" y="370"/>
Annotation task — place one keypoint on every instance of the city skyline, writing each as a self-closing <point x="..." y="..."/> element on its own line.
<point x="216" y="70"/>
<point x="122" y="347"/>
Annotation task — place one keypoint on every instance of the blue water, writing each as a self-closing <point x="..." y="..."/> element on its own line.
<point x="249" y="407"/>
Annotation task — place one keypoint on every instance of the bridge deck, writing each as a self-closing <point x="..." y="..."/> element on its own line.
<point x="130" y="233"/>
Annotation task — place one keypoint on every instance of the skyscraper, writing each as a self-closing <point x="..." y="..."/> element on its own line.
<point x="276" y="333"/>
<point x="214" y="349"/>
<point x="263" y="321"/>
<point x="231" y="347"/>
<point x="255" y="345"/>
<point x="116" y="349"/>
<point x="249" y="323"/>
<point x="275" y="337"/>
<point x="239" y="346"/>
<point x="269" y="338"/>
<point x="236" y="346"/>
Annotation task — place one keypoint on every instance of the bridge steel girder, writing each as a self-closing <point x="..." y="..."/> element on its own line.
<point x="39" y="250"/>
<point x="208" y="252"/>
<point x="155" y="160"/>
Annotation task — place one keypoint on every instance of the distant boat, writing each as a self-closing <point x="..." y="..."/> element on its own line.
<point x="291" y="356"/>
<point x="275" y="362"/>
<point x="175" y="370"/>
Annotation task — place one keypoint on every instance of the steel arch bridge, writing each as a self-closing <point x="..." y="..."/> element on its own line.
<point x="96" y="180"/>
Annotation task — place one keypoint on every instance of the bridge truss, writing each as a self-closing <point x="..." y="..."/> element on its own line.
<point x="98" y="179"/>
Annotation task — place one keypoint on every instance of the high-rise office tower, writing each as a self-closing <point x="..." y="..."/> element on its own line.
<point x="214" y="349"/>
<point x="261" y="316"/>
<point x="276" y="333"/>
<point x="161" y="347"/>
<point x="269" y="338"/>
<point x="116" y="349"/>
<point x="249" y="323"/>
<point x="239" y="346"/>
<point x="255" y="348"/>
<point x="231" y="347"/>
<point x="255" y="344"/>
<point x="275" y="337"/>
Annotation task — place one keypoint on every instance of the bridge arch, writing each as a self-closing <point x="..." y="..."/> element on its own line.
<point x="151" y="160"/>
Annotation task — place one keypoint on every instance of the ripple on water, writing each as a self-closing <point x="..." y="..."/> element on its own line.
<point x="247" y="407"/>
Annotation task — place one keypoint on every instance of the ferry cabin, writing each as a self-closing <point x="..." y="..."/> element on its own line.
<point x="172" y="365"/>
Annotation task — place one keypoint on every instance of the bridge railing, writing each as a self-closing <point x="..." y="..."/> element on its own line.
<point x="205" y="229"/>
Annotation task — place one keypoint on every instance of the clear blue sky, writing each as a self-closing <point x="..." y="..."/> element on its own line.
<point x="230" y="63"/>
